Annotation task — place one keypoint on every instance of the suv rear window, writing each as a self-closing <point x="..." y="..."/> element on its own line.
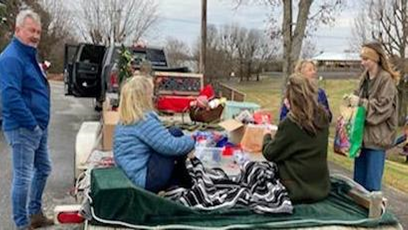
<point x="156" y="57"/>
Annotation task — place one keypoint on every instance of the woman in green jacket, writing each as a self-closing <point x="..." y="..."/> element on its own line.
<point x="299" y="147"/>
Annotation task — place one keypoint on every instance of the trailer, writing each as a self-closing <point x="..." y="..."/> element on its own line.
<point x="107" y="200"/>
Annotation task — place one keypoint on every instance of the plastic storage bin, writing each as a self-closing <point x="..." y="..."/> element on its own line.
<point x="210" y="156"/>
<point x="233" y="108"/>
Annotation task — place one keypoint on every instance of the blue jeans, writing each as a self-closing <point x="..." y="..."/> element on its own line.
<point x="31" y="167"/>
<point x="369" y="168"/>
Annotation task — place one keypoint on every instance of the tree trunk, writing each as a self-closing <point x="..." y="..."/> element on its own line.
<point x="241" y="71"/>
<point x="287" y="42"/>
<point x="402" y="98"/>
<point x="403" y="85"/>
<point x="292" y="42"/>
<point x="249" y="70"/>
<point x="203" y="48"/>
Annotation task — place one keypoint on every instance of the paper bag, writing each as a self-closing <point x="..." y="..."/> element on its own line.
<point x="253" y="138"/>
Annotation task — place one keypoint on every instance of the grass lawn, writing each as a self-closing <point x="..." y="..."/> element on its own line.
<point x="267" y="94"/>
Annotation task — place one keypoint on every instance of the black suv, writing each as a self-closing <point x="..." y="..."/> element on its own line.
<point x="92" y="70"/>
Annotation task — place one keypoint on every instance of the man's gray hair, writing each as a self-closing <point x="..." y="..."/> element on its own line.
<point x="22" y="15"/>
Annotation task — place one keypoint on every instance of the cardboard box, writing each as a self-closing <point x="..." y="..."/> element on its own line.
<point x="249" y="136"/>
<point x="235" y="130"/>
<point x="109" y="121"/>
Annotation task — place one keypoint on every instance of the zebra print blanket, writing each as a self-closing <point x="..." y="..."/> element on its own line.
<point x="257" y="187"/>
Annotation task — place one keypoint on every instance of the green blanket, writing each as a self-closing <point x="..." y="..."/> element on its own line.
<point x="117" y="201"/>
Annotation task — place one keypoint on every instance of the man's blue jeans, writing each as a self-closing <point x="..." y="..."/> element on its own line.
<point x="369" y="168"/>
<point x="31" y="167"/>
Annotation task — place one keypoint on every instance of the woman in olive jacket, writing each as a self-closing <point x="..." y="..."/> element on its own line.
<point x="377" y="93"/>
<point x="299" y="147"/>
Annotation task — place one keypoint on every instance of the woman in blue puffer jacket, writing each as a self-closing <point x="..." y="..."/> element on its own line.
<point x="151" y="156"/>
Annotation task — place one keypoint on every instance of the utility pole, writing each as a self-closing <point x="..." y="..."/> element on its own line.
<point x="203" y="49"/>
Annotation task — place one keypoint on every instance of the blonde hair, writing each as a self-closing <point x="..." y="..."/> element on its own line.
<point x="383" y="62"/>
<point x="134" y="99"/>
<point x="304" y="108"/>
<point x="301" y="64"/>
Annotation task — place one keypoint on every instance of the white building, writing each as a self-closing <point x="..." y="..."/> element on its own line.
<point x="337" y="61"/>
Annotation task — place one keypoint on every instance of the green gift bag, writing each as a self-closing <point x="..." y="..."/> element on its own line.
<point x="349" y="131"/>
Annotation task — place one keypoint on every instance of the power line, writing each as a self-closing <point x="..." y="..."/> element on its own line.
<point x="331" y="37"/>
<point x="181" y="20"/>
<point x="188" y="21"/>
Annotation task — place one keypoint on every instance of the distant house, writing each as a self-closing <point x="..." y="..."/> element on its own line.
<point x="338" y="61"/>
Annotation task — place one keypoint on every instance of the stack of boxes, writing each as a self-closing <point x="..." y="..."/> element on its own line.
<point x="109" y="120"/>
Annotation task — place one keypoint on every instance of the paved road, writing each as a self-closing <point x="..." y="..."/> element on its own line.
<point x="67" y="115"/>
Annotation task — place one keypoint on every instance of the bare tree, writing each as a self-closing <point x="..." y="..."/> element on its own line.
<point x="362" y="27"/>
<point x="388" y="23"/>
<point x="309" y="49"/>
<point x="177" y="52"/>
<point x="393" y="25"/>
<point x="241" y="34"/>
<point x="125" y="20"/>
<point x="265" y="55"/>
<point x="235" y="49"/>
<point x="294" y="31"/>
<point x="228" y="42"/>
<point x="3" y="13"/>
<point x="10" y="10"/>
<point x="56" y="27"/>
<point x="221" y="50"/>
<point x="252" y="44"/>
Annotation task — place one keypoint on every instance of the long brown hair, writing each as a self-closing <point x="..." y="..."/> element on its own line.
<point x="304" y="108"/>
<point x="384" y="62"/>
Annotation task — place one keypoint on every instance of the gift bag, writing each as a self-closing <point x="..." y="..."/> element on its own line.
<point x="349" y="131"/>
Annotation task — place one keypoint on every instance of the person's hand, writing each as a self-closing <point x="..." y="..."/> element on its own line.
<point x="286" y="103"/>
<point x="266" y="131"/>
<point x="191" y="155"/>
<point x="352" y="100"/>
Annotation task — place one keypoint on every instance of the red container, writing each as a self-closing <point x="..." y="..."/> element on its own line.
<point x="228" y="150"/>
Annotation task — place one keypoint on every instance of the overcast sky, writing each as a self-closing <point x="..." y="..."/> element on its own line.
<point x="181" y="19"/>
